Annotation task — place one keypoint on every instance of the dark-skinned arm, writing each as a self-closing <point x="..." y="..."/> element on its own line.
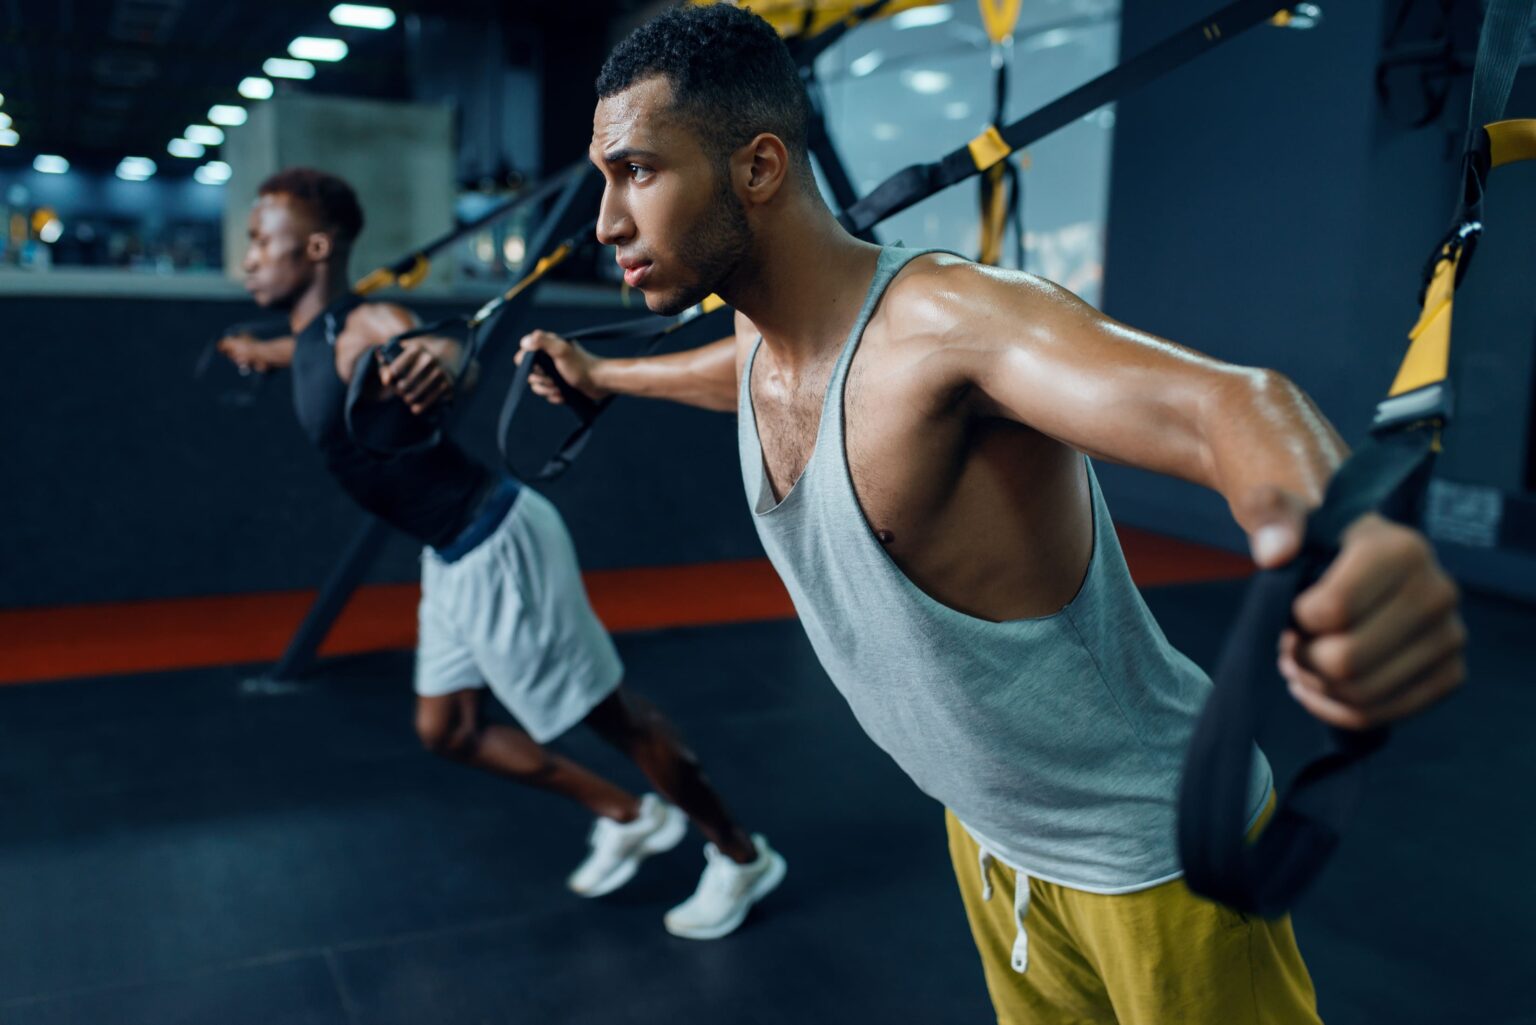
<point x="253" y="354"/>
<point x="704" y="376"/>
<point x="430" y="369"/>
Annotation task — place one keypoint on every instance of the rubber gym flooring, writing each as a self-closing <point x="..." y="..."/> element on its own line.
<point x="185" y="847"/>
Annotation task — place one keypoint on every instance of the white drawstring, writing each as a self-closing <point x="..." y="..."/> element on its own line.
<point x="1020" y="909"/>
<point x="984" y="859"/>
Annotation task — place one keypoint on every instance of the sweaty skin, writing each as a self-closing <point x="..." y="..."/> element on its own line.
<point x="969" y="401"/>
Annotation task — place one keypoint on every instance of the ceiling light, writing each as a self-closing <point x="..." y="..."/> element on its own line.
<point x="2" y="99"/>
<point x="8" y="137"/>
<point x="1049" y="40"/>
<point x="226" y="114"/>
<point x="256" y="88"/>
<point x="315" y="48"/>
<point x="205" y="135"/>
<point x="924" y="80"/>
<point x="214" y="172"/>
<point x="282" y="67"/>
<point x="885" y="131"/>
<point x="52" y="231"/>
<point x="135" y="169"/>
<point x="922" y="17"/>
<point x="5" y="120"/>
<point x="362" y="16"/>
<point x="957" y="111"/>
<point x="861" y="66"/>
<point x="47" y="163"/>
<point x="185" y="148"/>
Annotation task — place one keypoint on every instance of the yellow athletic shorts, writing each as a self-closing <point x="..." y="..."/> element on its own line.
<point x="1160" y="956"/>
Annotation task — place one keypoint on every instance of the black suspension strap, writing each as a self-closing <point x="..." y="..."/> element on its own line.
<point x="1388" y="474"/>
<point x="412" y="269"/>
<point x="708" y="321"/>
<point x="919" y="181"/>
<point x="987" y="150"/>
<point x="386" y="426"/>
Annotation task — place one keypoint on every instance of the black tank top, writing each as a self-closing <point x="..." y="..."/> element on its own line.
<point x="431" y="495"/>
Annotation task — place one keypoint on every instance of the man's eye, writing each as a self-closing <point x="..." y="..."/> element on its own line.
<point x="638" y="173"/>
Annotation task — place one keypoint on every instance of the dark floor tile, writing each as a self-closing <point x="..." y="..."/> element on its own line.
<point x="169" y="828"/>
<point x="294" y="991"/>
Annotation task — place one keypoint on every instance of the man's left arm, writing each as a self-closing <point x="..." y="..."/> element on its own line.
<point x="430" y="369"/>
<point x="1379" y="634"/>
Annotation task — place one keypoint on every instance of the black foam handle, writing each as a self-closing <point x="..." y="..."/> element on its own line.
<point x="1266" y="877"/>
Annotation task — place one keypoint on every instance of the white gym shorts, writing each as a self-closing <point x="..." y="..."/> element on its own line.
<point x="512" y="614"/>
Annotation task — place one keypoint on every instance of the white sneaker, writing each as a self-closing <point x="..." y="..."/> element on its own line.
<point x="619" y="847"/>
<point x="726" y="893"/>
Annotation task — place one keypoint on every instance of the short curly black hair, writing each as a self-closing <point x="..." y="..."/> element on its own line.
<point x="731" y="75"/>
<point x="332" y="201"/>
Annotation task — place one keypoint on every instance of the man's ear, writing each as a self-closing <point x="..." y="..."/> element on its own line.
<point x="761" y="168"/>
<point x="319" y="247"/>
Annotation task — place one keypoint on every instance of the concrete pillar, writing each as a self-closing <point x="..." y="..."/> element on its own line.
<point x="398" y="156"/>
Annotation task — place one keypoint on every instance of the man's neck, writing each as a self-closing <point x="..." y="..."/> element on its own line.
<point x="804" y="284"/>
<point x="327" y="287"/>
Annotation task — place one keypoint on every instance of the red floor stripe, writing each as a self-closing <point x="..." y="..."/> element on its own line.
<point x="149" y="636"/>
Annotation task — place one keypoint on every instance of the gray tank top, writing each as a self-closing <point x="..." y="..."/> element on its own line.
<point x="1056" y="741"/>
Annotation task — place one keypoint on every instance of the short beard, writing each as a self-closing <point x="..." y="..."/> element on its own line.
<point x="712" y="251"/>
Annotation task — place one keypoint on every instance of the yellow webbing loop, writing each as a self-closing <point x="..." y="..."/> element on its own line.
<point x="1281" y="18"/>
<point x="999" y="17"/>
<point x="794" y="18"/>
<point x="994" y="215"/>
<point x="988" y="148"/>
<point x="420" y="268"/>
<point x="540" y="269"/>
<point x="383" y="278"/>
<point x="711" y="303"/>
<point x="1429" y="354"/>
<point x="374" y="281"/>
<point x="1512" y="141"/>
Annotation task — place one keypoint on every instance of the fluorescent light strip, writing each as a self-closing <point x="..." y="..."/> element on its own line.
<point x="206" y="135"/>
<point x="185" y="148"/>
<point x="227" y="114"/>
<point x="136" y="169"/>
<point x="362" y="16"/>
<point x="256" y="88"/>
<point x="49" y="163"/>
<point x="214" y="172"/>
<point x="922" y="17"/>
<point x="315" y="48"/>
<point x="282" y="67"/>
<point x="9" y="137"/>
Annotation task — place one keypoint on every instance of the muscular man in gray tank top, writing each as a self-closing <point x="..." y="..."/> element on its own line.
<point x="913" y="431"/>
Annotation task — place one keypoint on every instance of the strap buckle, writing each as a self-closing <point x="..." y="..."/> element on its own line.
<point x="1458" y="244"/>
<point x="1430" y="405"/>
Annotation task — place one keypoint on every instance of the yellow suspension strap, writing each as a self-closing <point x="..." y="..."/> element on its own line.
<point x="800" y="19"/>
<point x="1387" y="474"/>
<point x="1000" y="185"/>
<point x="1420" y="388"/>
<point x="412" y="269"/>
<point x="916" y="183"/>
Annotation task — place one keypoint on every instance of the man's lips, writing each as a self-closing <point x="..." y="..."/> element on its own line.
<point x="636" y="273"/>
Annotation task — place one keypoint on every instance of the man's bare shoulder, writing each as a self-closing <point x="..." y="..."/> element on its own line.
<point x="376" y="323"/>
<point x="939" y="300"/>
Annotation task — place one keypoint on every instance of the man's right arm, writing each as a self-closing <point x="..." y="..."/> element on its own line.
<point x="703" y="377"/>
<point x="249" y="353"/>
